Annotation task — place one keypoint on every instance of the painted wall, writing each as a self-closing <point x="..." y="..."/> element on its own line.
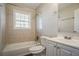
<point x="19" y="35"/>
<point x="2" y="27"/>
<point x="66" y="18"/>
<point x="48" y="15"/>
<point x="76" y="20"/>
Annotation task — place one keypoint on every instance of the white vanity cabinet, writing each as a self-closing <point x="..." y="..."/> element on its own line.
<point x="58" y="49"/>
<point x="55" y="49"/>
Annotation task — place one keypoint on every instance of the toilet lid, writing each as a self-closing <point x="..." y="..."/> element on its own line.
<point x="36" y="48"/>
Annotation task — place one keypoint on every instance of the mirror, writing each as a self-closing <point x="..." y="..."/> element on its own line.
<point x="68" y="17"/>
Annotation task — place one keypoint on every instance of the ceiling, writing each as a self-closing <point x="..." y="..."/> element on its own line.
<point x="36" y="5"/>
<point x="30" y="5"/>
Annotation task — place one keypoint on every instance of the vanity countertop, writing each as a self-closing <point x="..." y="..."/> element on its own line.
<point x="72" y="42"/>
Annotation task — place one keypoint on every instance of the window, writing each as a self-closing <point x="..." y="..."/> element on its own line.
<point x="22" y="21"/>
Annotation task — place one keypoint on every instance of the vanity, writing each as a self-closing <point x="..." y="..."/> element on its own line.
<point x="60" y="46"/>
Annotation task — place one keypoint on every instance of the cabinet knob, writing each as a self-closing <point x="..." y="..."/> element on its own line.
<point x="55" y="46"/>
<point x="58" y="47"/>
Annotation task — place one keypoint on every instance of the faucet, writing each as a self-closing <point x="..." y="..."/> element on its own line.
<point x="67" y="37"/>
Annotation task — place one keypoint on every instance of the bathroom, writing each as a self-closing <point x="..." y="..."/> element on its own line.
<point x="39" y="29"/>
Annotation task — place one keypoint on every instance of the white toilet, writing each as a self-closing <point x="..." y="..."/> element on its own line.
<point x="36" y="49"/>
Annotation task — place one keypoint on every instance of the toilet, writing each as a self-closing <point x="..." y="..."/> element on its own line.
<point x="36" y="50"/>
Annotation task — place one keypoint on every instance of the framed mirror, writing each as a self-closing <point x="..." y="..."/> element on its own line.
<point x="68" y="17"/>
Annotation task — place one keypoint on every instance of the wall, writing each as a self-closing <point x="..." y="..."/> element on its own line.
<point x="66" y="18"/>
<point x="19" y="35"/>
<point x="76" y="20"/>
<point x="48" y="14"/>
<point x="2" y="27"/>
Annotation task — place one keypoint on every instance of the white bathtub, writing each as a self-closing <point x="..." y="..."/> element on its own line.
<point x="18" y="49"/>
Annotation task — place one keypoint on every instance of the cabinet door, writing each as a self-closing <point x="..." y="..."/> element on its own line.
<point x="50" y="50"/>
<point x="64" y="52"/>
<point x="75" y="52"/>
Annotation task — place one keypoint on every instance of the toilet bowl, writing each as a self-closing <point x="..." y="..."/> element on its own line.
<point x="36" y="49"/>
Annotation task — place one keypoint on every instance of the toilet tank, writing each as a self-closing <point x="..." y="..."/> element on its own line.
<point x="43" y="41"/>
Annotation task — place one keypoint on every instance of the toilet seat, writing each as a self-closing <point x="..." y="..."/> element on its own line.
<point x="36" y="49"/>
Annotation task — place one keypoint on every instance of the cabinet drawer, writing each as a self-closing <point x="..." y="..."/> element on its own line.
<point x="50" y="42"/>
<point x="71" y="49"/>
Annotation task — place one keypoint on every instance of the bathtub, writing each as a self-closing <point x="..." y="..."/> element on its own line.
<point x="18" y="49"/>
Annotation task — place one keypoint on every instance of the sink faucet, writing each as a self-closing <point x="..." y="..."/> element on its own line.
<point x="67" y="37"/>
